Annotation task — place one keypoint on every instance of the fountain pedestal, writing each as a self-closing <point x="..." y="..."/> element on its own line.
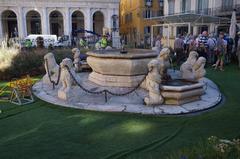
<point x="115" y="81"/>
<point x="179" y="92"/>
<point x="113" y="69"/>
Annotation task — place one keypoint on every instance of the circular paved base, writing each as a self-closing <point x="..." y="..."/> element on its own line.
<point x="132" y="103"/>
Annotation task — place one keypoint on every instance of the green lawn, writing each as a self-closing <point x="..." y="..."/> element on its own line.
<point x="42" y="130"/>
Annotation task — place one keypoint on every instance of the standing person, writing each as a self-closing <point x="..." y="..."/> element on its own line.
<point x="28" y="44"/>
<point x="193" y="43"/>
<point x="104" y="42"/>
<point x="238" y="50"/>
<point x="203" y="44"/>
<point x="220" y="52"/>
<point x="83" y="42"/>
<point x="225" y="45"/>
<point x="187" y="41"/>
<point x="179" y="49"/>
<point x="158" y="42"/>
<point x="211" y="44"/>
<point x="142" y="44"/>
<point x="230" y="44"/>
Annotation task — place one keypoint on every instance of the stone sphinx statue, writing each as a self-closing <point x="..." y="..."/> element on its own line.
<point x="164" y="63"/>
<point x="51" y="67"/>
<point x="77" y="61"/>
<point x="67" y="82"/>
<point x="193" y="68"/>
<point x="199" y="69"/>
<point x="153" y="81"/>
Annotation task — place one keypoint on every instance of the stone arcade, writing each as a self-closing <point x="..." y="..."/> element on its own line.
<point x="59" y="17"/>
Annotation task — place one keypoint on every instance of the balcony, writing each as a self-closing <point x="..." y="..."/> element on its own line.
<point x="226" y="10"/>
<point x="207" y="11"/>
<point x="157" y="13"/>
<point x="221" y="11"/>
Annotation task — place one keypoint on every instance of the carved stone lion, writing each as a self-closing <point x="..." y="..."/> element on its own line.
<point x="199" y="69"/>
<point x="67" y="82"/>
<point x="77" y="61"/>
<point x="153" y="80"/>
<point x="53" y="68"/>
<point x="193" y="68"/>
<point x="164" y="61"/>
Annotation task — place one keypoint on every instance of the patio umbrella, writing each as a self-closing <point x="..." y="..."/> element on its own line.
<point x="232" y="29"/>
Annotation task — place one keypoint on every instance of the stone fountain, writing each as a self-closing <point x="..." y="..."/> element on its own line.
<point x="114" y="69"/>
<point x="139" y="81"/>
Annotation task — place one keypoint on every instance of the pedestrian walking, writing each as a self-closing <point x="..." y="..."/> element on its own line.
<point x="203" y="45"/>
<point x="220" y="52"/>
<point x="211" y="53"/>
<point x="179" y="49"/>
<point x="238" y="50"/>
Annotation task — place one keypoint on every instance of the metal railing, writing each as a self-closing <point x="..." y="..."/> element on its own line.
<point x="217" y="11"/>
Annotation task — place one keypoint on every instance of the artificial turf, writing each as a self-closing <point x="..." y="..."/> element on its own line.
<point x="42" y="130"/>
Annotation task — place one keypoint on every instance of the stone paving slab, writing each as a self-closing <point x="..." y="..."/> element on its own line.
<point x="132" y="103"/>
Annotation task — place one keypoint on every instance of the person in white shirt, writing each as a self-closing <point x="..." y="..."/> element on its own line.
<point x="238" y="50"/>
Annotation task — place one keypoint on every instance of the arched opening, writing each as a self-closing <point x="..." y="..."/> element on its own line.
<point x="56" y="23"/>
<point x="33" y="22"/>
<point x="9" y="24"/>
<point x="98" y="22"/>
<point x="77" y="23"/>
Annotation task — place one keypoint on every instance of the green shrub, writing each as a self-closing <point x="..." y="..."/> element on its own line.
<point x="6" y="56"/>
<point x="213" y="148"/>
<point x="15" y="63"/>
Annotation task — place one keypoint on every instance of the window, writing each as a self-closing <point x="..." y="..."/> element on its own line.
<point x="186" y="5"/>
<point x="171" y="6"/>
<point x="147" y="30"/>
<point x="161" y="3"/>
<point x="160" y="12"/>
<point x="202" y="6"/>
<point x="161" y="8"/>
<point x="147" y="13"/>
<point x="227" y="4"/>
<point x="148" y="3"/>
<point x="128" y="18"/>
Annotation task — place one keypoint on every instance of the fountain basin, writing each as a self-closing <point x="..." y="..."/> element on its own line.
<point x="179" y="92"/>
<point x="113" y="69"/>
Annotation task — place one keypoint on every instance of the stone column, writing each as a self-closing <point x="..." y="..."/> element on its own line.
<point x="115" y="34"/>
<point x="165" y="7"/>
<point x="212" y="28"/>
<point x="195" y="30"/>
<point x="1" y="29"/>
<point x="67" y="21"/>
<point x="177" y="6"/>
<point x="21" y="20"/>
<point x="88" y="19"/>
<point x="45" y="21"/>
<point x="108" y="20"/>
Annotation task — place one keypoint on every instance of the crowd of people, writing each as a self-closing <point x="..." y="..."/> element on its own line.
<point x="218" y="50"/>
<point x="88" y="41"/>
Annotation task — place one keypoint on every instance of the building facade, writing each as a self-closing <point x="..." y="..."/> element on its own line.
<point x="134" y="26"/>
<point x="214" y="8"/>
<point x="60" y="17"/>
<point x="195" y="16"/>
